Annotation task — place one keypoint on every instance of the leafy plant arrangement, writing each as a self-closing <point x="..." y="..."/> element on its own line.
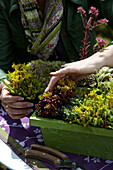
<point x="86" y="102"/>
<point x="50" y="103"/>
<point x="89" y="103"/>
<point x="92" y="105"/>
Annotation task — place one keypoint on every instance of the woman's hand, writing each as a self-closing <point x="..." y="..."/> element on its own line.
<point x="74" y="70"/>
<point x="14" y="105"/>
<point x="82" y="68"/>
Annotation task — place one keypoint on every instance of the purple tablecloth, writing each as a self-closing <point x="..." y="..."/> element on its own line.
<point x="25" y="135"/>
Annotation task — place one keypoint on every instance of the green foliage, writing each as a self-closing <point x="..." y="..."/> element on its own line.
<point x="50" y="103"/>
<point x="87" y="102"/>
<point x="30" y="80"/>
<point x="93" y="106"/>
<point x="105" y="32"/>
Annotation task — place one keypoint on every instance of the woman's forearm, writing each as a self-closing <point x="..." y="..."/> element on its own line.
<point x="98" y="60"/>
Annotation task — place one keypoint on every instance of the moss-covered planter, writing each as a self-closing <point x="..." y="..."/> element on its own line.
<point x="73" y="138"/>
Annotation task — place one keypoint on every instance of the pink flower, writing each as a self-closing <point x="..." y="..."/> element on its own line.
<point x="90" y="24"/>
<point x="94" y="12"/>
<point x="101" y="21"/>
<point x="80" y="9"/>
<point x="101" y="42"/>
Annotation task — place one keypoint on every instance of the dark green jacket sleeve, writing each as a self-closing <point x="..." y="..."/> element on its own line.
<point x="13" y="43"/>
<point x="6" y="46"/>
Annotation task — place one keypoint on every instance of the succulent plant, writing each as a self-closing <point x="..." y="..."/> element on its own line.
<point x="92" y="105"/>
<point x="50" y="103"/>
<point x="29" y="80"/>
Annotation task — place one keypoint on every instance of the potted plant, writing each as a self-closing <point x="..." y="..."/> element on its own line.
<point x="87" y="119"/>
<point x="89" y="109"/>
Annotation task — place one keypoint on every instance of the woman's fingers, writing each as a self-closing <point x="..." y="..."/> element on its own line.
<point x="18" y="105"/>
<point x="61" y="73"/>
<point x="10" y="98"/>
<point x="68" y="69"/>
<point x="14" y="105"/>
<point x="52" y="82"/>
<point x="6" y="97"/>
<point x="57" y="75"/>
<point x="16" y="111"/>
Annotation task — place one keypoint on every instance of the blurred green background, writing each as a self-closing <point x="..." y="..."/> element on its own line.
<point x="105" y="32"/>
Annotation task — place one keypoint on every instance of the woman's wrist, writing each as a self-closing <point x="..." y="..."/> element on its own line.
<point x="100" y="59"/>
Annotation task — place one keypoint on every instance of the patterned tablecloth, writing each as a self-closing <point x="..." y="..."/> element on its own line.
<point x="25" y="135"/>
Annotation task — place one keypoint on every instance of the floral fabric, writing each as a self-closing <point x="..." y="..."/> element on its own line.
<point x="41" y="30"/>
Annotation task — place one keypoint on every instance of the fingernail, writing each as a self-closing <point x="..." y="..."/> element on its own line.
<point x="29" y="111"/>
<point x="46" y="89"/>
<point x="30" y="104"/>
<point x="52" y="73"/>
<point x="20" y="99"/>
<point x="62" y="66"/>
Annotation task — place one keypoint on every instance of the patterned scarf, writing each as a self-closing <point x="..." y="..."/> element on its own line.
<point x="42" y="31"/>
